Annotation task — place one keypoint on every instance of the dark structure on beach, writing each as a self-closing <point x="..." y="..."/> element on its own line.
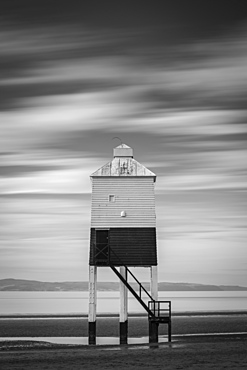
<point x="123" y="234"/>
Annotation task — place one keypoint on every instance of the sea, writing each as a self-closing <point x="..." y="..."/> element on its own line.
<point x="76" y="303"/>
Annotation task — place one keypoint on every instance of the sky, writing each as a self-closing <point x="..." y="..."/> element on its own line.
<point x="168" y="78"/>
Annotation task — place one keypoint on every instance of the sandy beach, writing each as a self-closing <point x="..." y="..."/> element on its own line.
<point x="228" y="352"/>
<point x="199" y="342"/>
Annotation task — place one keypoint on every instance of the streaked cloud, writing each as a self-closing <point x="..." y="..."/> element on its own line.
<point x="68" y="90"/>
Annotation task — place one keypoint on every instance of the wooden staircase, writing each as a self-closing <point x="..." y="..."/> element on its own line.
<point x="135" y="294"/>
<point x="159" y="312"/>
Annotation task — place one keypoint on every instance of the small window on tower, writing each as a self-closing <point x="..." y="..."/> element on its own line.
<point x="111" y="198"/>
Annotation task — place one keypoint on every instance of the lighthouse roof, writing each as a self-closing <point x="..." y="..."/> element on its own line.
<point x="123" y="165"/>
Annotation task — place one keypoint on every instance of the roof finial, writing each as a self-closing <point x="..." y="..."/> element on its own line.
<point x="116" y="137"/>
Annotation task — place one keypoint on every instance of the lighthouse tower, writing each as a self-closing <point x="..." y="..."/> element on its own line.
<point x="123" y="235"/>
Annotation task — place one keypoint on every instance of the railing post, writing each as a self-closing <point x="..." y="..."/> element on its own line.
<point x="170" y="330"/>
<point x="170" y="324"/>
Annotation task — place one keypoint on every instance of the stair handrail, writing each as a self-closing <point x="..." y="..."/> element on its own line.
<point x="128" y="270"/>
<point x="150" y="313"/>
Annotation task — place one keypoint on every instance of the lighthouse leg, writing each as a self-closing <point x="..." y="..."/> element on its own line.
<point x="92" y="305"/>
<point x="123" y="317"/>
<point x="154" y="282"/>
<point x="154" y="325"/>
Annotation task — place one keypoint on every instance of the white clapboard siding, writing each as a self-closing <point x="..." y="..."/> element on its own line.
<point x="134" y="195"/>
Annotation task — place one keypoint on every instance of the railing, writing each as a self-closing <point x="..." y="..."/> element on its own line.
<point x="161" y="315"/>
<point x="160" y="309"/>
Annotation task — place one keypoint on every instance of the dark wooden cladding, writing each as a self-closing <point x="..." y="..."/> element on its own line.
<point x="133" y="246"/>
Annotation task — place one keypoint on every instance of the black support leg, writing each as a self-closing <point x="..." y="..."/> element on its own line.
<point x="123" y="331"/>
<point x="153" y="332"/>
<point x="169" y="331"/>
<point x="92" y="332"/>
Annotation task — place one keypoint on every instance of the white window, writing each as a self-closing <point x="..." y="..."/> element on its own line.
<point x="111" y="198"/>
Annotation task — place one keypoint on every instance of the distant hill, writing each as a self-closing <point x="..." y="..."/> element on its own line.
<point x="198" y="287"/>
<point x="34" y="286"/>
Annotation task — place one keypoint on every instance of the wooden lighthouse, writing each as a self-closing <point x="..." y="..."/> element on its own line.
<point x="123" y="235"/>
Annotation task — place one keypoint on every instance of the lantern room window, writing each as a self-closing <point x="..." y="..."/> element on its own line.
<point x="111" y="198"/>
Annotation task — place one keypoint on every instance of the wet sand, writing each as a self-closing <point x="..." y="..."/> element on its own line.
<point x="109" y="326"/>
<point x="193" y="346"/>
<point x="227" y="352"/>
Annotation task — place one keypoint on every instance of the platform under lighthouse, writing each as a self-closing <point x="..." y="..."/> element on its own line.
<point x="123" y="235"/>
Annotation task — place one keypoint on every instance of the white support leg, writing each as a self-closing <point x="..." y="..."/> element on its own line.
<point x="154" y="282"/>
<point x="123" y="317"/>
<point x="153" y="325"/>
<point x="92" y="305"/>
